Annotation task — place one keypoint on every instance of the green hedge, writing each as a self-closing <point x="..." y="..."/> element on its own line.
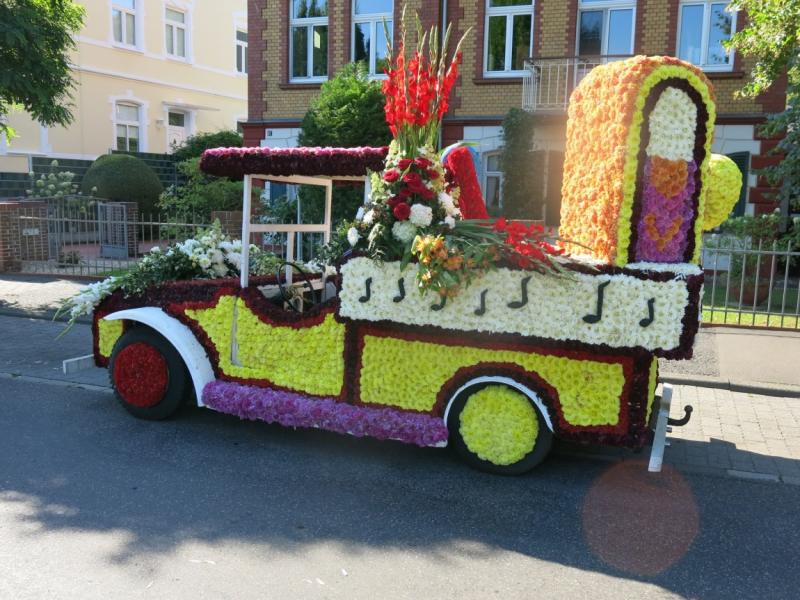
<point x="123" y="178"/>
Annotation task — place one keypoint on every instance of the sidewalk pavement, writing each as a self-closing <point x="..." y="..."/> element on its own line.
<point x="35" y="295"/>
<point x="742" y="359"/>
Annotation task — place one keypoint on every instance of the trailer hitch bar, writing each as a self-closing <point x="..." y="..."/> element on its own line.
<point x="687" y="414"/>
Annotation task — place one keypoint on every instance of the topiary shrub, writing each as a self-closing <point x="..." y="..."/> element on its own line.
<point x="123" y="178"/>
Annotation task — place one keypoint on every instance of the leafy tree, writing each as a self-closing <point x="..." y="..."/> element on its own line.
<point x="347" y="113"/>
<point x="519" y="181"/>
<point x="201" y="193"/>
<point x="195" y="145"/>
<point x="35" y="39"/>
<point x="772" y="37"/>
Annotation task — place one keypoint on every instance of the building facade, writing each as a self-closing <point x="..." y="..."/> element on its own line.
<point x="148" y="73"/>
<point x="520" y="53"/>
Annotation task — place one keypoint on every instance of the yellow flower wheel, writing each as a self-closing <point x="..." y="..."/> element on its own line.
<point x="496" y="428"/>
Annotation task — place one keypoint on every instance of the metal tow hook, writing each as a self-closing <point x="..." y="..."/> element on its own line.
<point x="687" y="414"/>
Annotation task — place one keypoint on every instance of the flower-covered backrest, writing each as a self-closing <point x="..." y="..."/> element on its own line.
<point x="638" y="165"/>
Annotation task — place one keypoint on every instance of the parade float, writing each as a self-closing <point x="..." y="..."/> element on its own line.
<point x="440" y="327"/>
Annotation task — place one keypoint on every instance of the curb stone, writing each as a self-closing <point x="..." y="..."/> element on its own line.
<point x="761" y="389"/>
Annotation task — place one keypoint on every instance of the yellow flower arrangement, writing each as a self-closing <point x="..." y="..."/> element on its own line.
<point x="589" y="391"/>
<point x="724" y="187"/>
<point x="307" y="359"/>
<point x="499" y="424"/>
<point x="108" y="334"/>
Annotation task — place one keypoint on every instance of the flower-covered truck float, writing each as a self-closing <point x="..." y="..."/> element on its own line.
<point x="438" y="329"/>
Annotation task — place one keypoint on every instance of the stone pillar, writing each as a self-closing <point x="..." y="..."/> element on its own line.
<point x="9" y="237"/>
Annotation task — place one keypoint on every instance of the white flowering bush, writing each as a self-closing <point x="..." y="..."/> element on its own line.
<point x="209" y="255"/>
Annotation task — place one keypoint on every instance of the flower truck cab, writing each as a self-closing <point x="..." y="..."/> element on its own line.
<point x="516" y="357"/>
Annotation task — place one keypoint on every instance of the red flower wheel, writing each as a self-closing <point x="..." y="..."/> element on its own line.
<point x="140" y="375"/>
<point x="148" y="375"/>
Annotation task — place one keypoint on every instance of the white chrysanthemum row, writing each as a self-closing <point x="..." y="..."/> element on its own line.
<point x="673" y="125"/>
<point x="555" y="309"/>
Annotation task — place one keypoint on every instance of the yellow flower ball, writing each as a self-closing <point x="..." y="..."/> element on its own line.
<point x="499" y="424"/>
<point x="722" y="192"/>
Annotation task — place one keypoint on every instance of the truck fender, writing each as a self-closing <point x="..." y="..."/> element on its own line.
<point x="531" y="394"/>
<point x="180" y="336"/>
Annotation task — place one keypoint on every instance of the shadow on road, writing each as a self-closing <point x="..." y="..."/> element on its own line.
<point x="77" y="462"/>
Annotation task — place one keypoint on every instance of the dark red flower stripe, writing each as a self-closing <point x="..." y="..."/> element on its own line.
<point x="331" y="162"/>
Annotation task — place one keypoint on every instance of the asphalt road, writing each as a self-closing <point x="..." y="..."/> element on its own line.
<point x="95" y="504"/>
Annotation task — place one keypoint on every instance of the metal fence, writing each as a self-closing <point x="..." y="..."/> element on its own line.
<point x="90" y="237"/>
<point x="754" y="284"/>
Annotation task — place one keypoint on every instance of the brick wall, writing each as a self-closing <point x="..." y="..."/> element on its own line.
<point x="273" y="99"/>
<point x="9" y="236"/>
<point x="230" y="221"/>
<point x="476" y="100"/>
<point x="256" y="57"/>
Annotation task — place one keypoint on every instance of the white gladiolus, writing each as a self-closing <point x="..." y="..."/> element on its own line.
<point x="448" y="204"/>
<point x="421" y="215"/>
<point x="352" y="236"/>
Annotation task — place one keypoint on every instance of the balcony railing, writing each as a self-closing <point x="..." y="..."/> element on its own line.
<point x="549" y="82"/>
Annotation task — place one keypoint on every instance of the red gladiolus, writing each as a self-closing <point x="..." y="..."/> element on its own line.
<point x="404" y="163"/>
<point x="391" y="175"/>
<point x="401" y="211"/>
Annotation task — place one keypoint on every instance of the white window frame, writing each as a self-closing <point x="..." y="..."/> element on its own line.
<point x="127" y="124"/>
<point x="309" y="23"/>
<point x="487" y="174"/>
<point x="606" y="7"/>
<point x="375" y="21"/>
<point x="706" y="4"/>
<point x="241" y="46"/>
<point x="177" y="25"/>
<point x="509" y="12"/>
<point x="137" y="25"/>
